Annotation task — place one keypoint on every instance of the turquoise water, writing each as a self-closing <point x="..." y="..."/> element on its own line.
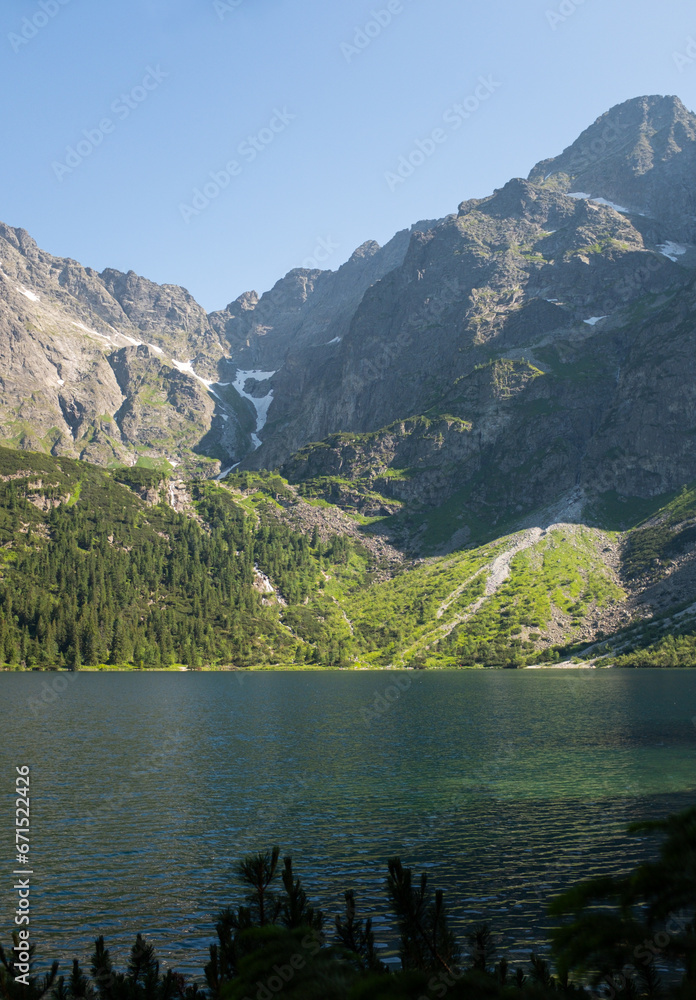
<point x="505" y="786"/>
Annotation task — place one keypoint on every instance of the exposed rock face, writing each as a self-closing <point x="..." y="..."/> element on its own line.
<point x="306" y="309"/>
<point x="111" y="367"/>
<point x="76" y="378"/>
<point x="537" y="342"/>
<point x="641" y="155"/>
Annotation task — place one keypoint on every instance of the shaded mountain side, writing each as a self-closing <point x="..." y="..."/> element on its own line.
<point x="514" y="273"/>
<point x="595" y="409"/>
<point x="306" y="309"/>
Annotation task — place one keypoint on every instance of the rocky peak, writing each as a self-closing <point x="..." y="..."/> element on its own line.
<point x="18" y="238"/>
<point x="517" y="199"/>
<point x="367" y="249"/>
<point x="641" y="156"/>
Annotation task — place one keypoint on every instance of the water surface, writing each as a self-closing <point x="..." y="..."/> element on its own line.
<point x="505" y="786"/>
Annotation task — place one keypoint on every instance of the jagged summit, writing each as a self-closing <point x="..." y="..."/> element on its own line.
<point x="530" y="337"/>
<point x="367" y="249"/>
<point x="640" y="155"/>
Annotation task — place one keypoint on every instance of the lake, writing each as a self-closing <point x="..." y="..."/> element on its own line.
<point x="504" y="786"/>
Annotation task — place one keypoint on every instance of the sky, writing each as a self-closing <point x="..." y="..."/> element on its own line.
<point x="216" y="144"/>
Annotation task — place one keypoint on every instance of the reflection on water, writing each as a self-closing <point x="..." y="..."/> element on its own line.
<point x="505" y="786"/>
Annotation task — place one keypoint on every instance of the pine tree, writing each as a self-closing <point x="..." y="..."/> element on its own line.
<point x="357" y="936"/>
<point x="296" y="911"/>
<point x="426" y="939"/>
<point x="257" y="872"/>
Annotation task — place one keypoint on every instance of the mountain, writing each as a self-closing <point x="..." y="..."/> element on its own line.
<point x="504" y="355"/>
<point x="88" y="365"/>
<point x="494" y="413"/>
<point x="520" y="353"/>
<point x="114" y="369"/>
<point x="133" y="568"/>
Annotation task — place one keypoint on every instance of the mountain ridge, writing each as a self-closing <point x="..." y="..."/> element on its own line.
<point x="503" y="355"/>
<point x="484" y="430"/>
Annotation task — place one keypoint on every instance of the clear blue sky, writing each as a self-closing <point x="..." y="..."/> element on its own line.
<point x="319" y="175"/>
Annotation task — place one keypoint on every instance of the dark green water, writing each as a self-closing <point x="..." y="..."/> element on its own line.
<point x="505" y="786"/>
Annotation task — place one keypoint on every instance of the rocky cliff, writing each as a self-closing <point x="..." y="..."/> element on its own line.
<point x="532" y="347"/>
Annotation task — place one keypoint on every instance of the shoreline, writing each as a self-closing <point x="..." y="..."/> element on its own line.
<point x="280" y="669"/>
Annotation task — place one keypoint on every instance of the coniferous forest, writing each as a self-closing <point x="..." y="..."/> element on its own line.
<point x="91" y="573"/>
<point x="129" y="568"/>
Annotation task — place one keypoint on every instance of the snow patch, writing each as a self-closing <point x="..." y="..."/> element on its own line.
<point x="184" y="366"/>
<point x="593" y="320"/>
<point x="137" y="343"/>
<point x="92" y="333"/>
<point x="187" y="368"/>
<point x="672" y="250"/>
<point x="582" y="195"/>
<point x="30" y="295"/>
<point x="611" y="204"/>
<point x="61" y="381"/>
<point x="551" y="300"/>
<point x="260" y="405"/>
<point x="226" y="472"/>
<point x="336" y="340"/>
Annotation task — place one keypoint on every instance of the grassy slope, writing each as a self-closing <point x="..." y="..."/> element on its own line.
<point x="659" y="550"/>
<point x="526" y="597"/>
<point x="465" y="609"/>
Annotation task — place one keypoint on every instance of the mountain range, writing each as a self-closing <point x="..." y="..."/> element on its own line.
<point x="525" y="362"/>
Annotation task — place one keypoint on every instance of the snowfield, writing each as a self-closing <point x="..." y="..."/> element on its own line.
<point x="672" y="250"/>
<point x="260" y="405"/>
